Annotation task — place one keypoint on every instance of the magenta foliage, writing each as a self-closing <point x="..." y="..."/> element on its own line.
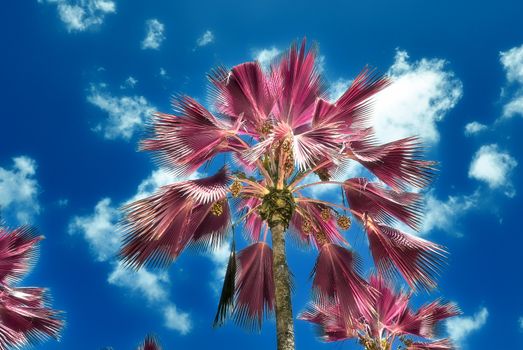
<point x="159" y="227"/>
<point x="244" y="93"/>
<point x="397" y="163"/>
<point x="392" y="318"/>
<point x="336" y="280"/>
<point x="17" y="253"/>
<point x="187" y="140"/>
<point x="25" y="317"/>
<point x="382" y="204"/>
<point x="415" y="258"/>
<point x="254" y="285"/>
<point x="150" y="343"/>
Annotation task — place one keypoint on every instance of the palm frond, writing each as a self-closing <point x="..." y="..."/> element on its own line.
<point x="185" y="141"/>
<point x="397" y="163"/>
<point x="158" y="228"/>
<point x="26" y="317"/>
<point x="383" y="204"/>
<point x="415" y="258"/>
<point x="336" y="280"/>
<point x="17" y="252"/>
<point x="244" y="93"/>
<point x="254" y="285"/>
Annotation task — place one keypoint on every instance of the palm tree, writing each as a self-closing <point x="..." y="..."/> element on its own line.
<point x="25" y="316"/>
<point x="393" y="320"/>
<point x="279" y="131"/>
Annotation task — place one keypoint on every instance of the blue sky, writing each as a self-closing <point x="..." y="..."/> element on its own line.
<point x="79" y="79"/>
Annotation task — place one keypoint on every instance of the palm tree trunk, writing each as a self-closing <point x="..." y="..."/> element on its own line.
<point x="284" y="319"/>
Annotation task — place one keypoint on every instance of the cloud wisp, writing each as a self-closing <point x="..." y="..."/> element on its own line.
<point x="101" y="232"/>
<point x="19" y="191"/>
<point x="460" y="328"/>
<point x="81" y="15"/>
<point x="154" y="35"/>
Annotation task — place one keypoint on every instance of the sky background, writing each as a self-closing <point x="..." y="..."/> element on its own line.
<point x="80" y="78"/>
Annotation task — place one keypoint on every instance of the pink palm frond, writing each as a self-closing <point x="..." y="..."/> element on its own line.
<point x="353" y="108"/>
<point x="244" y="93"/>
<point x="301" y="86"/>
<point x="382" y="204"/>
<point x="17" y="253"/>
<point x="150" y="343"/>
<point x="332" y="324"/>
<point x="433" y="313"/>
<point x="442" y="344"/>
<point x="253" y="222"/>
<point x="158" y="228"/>
<point x="389" y="305"/>
<point x="415" y="258"/>
<point x="336" y="280"/>
<point x="185" y="141"/>
<point x="254" y="285"/>
<point x="398" y="163"/>
<point x="26" y="317"/>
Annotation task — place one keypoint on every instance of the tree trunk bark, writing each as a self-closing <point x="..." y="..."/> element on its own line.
<point x="284" y="319"/>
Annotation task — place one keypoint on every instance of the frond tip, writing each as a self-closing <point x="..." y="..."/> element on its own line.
<point x="227" y="296"/>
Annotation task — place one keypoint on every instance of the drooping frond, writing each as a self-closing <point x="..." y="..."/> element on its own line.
<point x="245" y="93"/>
<point x="301" y="86"/>
<point x="442" y="344"/>
<point x="336" y="280"/>
<point x="226" y="303"/>
<point x="185" y="141"/>
<point x="382" y="204"/>
<point x="415" y="258"/>
<point x="253" y="222"/>
<point x="332" y="324"/>
<point x="158" y="228"/>
<point x="17" y="252"/>
<point x="397" y="163"/>
<point x="254" y="285"/>
<point x="150" y="343"/>
<point x="26" y="317"/>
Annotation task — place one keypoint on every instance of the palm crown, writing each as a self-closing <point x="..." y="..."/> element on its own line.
<point x="279" y="129"/>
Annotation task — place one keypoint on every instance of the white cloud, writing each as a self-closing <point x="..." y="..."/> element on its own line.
<point x="520" y="322"/>
<point x="513" y="107"/>
<point x="421" y="95"/>
<point x="130" y="83"/>
<point x="99" y="229"/>
<point x="266" y="56"/>
<point x="493" y="167"/>
<point x="80" y="15"/>
<point x="174" y="319"/>
<point x="512" y="61"/>
<point x="143" y="282"/>
<point x="442" y="215"/>
<point x="474" y="127"/>
<point x="126" y="114"/>
<point x="154" y="34"/>
<point x="101" y="232"/>
<point x="459" y="328"/>
<point x="19" y="190"/>
<point x="206" y="38"/>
